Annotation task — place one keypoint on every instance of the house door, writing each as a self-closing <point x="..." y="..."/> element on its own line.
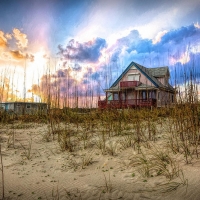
<point x="131" y="96"/>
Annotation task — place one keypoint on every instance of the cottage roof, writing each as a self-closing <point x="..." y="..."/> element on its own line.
<point x="151" y="73"/>
<point x="159" y="72"/>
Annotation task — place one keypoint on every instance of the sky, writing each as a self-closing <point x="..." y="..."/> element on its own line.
<point x="87" y="44"/>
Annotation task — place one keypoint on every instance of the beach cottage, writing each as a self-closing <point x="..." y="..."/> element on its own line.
<point x="21" y="108"/>
<point x="139" y="86"/>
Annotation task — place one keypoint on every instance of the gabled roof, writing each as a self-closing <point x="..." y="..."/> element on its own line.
<point x="151" y="73"/>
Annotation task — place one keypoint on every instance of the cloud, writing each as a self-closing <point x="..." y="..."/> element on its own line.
<point x="21" y="38"/>
<point x="83" y="52"/>
<point x="16" y="55"/>
<point x="8" y="36"/>
<point x="183" y="59"/>
<point x="159" y="36"/>
<point x="197" y="25"/>
<point x="173" y="42"/>
<point x="182" y="35"/>
<point x="3" y="40"/>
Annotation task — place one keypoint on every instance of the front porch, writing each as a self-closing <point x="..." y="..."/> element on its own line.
<point x="127" y="96"/>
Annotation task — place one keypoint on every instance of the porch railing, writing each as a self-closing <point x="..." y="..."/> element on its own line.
<point x="128" y="103"/>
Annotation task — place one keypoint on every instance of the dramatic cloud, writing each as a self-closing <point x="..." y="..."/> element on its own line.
<point x="174" y="44"/>
<point x="83" y="52"/>
<point x="21" y="38"/>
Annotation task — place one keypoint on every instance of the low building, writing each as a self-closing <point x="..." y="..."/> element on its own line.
<point x="139" y="86"/>
<point x="21" y="108"/>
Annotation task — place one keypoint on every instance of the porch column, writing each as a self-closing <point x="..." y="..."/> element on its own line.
<point x="106" y="97"/>
<point x="136" y="98"/>
<point x="120" y="98"/>
<point x="156" y="98"/>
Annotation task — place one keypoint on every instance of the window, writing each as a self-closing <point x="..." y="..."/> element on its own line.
<point x="115" y="96"/>
<point x="172" y="98"/>
<point x="28" y="106"/>
<point x="152" y="94"/>
<point x="133" y="77"/>
<point x="144" y="95"/>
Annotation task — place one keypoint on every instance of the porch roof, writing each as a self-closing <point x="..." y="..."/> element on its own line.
<point x="140" y="87"/>
<point x="145" y="87"/>
<point x="113" y="89"/>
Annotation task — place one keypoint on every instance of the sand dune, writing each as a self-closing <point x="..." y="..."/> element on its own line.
<point x="46" y="172"/>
